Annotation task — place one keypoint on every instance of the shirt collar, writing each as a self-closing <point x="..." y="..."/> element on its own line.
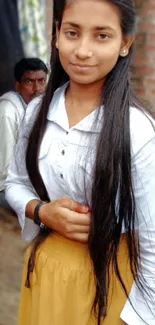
<point x="57" y="114"/>
<point x="22" y="101"/>
<point x="14" y="97"/>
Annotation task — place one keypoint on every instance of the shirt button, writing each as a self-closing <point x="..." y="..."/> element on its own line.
<point x="63" y="152"/>
<point x="61" y="175"/>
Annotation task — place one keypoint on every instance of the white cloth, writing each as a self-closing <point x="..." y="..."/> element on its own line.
<point x="32" y="21"/>
<point x="66" y="159"/>
<point x="12" y="109"/>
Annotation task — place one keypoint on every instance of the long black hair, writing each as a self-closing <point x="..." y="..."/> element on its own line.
<point x="113" y="201"/>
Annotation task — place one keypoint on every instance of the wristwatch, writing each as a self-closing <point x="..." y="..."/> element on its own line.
<point x="36" y="218"/>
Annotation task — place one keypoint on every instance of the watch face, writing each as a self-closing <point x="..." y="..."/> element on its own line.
<point x="42" y="226"/>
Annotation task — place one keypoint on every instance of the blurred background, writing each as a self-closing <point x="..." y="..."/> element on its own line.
<point x="25" y="30"/>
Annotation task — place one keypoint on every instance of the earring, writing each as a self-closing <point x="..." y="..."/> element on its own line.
<point x="124" y="52"/>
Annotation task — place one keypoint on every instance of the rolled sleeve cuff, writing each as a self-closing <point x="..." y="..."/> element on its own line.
<point x="29" y="228"/>
<point x="141" y="313"/>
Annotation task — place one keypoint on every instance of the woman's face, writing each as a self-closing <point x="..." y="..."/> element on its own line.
<point x="90" y="40"/>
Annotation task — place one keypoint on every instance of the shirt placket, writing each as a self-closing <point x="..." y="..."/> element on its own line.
<point x="63" y="145"/>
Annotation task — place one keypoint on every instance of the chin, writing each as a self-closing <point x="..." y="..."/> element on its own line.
<point x="83" y="81"/>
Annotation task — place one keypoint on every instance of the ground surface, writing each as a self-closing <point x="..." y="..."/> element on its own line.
<point x="11" y="261"/>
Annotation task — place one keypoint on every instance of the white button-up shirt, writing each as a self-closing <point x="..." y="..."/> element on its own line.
<point x="12" y="109"/>
<point x="66" y="164"/>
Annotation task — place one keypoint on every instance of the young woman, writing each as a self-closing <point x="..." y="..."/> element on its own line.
<point x="83" y="178"/>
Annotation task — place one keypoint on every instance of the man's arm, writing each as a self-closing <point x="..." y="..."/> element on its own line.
<point x="8" y="138"/>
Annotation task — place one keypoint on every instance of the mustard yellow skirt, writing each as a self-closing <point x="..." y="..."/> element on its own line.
<point x="62" y="286"/>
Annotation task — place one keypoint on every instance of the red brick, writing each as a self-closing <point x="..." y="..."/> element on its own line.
<point x="144" y="60"/>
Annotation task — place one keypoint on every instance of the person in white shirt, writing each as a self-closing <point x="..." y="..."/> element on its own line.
<point x="30" y="81"/>
<point x="82" y="178"/>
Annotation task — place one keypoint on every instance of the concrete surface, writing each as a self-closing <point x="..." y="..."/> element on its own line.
<point x="11" y="261"/>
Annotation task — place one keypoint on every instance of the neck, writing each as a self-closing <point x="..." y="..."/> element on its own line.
<point x="81" y="100"/>
<point x="86" y="97"/>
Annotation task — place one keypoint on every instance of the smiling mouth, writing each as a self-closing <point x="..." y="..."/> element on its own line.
<point x="82" y="66"/>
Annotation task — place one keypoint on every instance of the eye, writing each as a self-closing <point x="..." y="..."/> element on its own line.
<point x="28" y="82"/>
<point x="42" y="81"/>
<point x="71" y="34"/>
<point x="102" y="37"/>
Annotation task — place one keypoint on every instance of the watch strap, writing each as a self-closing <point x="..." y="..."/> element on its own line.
<point x="36" y="218"/>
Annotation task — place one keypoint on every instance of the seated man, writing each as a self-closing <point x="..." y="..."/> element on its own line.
<point x="30" y="81"/>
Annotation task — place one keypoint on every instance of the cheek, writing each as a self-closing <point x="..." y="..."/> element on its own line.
<point x="26" y="92"/>
<point x="64" y="56"/>
<point x="41" y="88"/>
<point x="66" y="48"/>
<point x="112" y="48"/>
<point x="110" y="55"/>
<point x="64" y="51"/>
<point x="27" y="89"/>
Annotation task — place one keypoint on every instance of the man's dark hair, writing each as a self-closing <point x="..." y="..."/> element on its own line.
<point x="28" y="64"/>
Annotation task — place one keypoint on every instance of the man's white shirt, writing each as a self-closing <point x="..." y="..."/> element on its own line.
<point x="12" y="109"/>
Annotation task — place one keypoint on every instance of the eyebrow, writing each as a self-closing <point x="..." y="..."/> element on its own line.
<point x="72" y="24"/>
<point x="27" y="79"/>
<point x="98" y="28"/>
<point x="33" y="79"/>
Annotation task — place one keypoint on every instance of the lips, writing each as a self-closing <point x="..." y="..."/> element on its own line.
<point x="82" y="65"/>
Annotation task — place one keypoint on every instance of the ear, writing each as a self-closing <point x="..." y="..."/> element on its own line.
<point x="126" y="44"/>
<point x="17" y="86"/>
<point x="57" y="36"/>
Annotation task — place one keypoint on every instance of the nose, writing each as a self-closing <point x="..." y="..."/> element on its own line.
<point x="83" y="51"/>
<point x="36" y="87"/>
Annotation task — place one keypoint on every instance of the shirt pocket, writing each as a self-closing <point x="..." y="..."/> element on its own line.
<point x="86" y="166"/>
<point x="86" y="169"/>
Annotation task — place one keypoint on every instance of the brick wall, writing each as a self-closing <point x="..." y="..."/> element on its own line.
<point x="144" y="60"/>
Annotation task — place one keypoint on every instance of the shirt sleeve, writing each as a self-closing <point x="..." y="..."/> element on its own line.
<point x="141" y="310"/>
<point x="8" y="136"/>
<point x="19" y="190"/>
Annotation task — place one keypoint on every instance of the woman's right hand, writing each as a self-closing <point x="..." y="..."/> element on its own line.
<point x="67" y="217"/>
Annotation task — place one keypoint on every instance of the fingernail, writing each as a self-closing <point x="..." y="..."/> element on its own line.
<point x="85" y="209"/>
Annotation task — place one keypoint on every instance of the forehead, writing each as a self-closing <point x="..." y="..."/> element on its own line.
<point x="92" y="13"/>
<point x="38" y="74"/>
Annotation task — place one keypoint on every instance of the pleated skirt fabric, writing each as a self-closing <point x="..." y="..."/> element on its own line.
<point x="62" y="286"/>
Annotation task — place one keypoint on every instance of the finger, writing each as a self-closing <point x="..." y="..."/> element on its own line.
<point x="77" y="229"/>
<point x="81" y="208"/>
<point x="73" y="205"/>
<point x="80" y="237"/>
<point x="75" y="218"/>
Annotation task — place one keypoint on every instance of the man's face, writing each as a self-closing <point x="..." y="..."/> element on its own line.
<point x="32" y="84"/>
